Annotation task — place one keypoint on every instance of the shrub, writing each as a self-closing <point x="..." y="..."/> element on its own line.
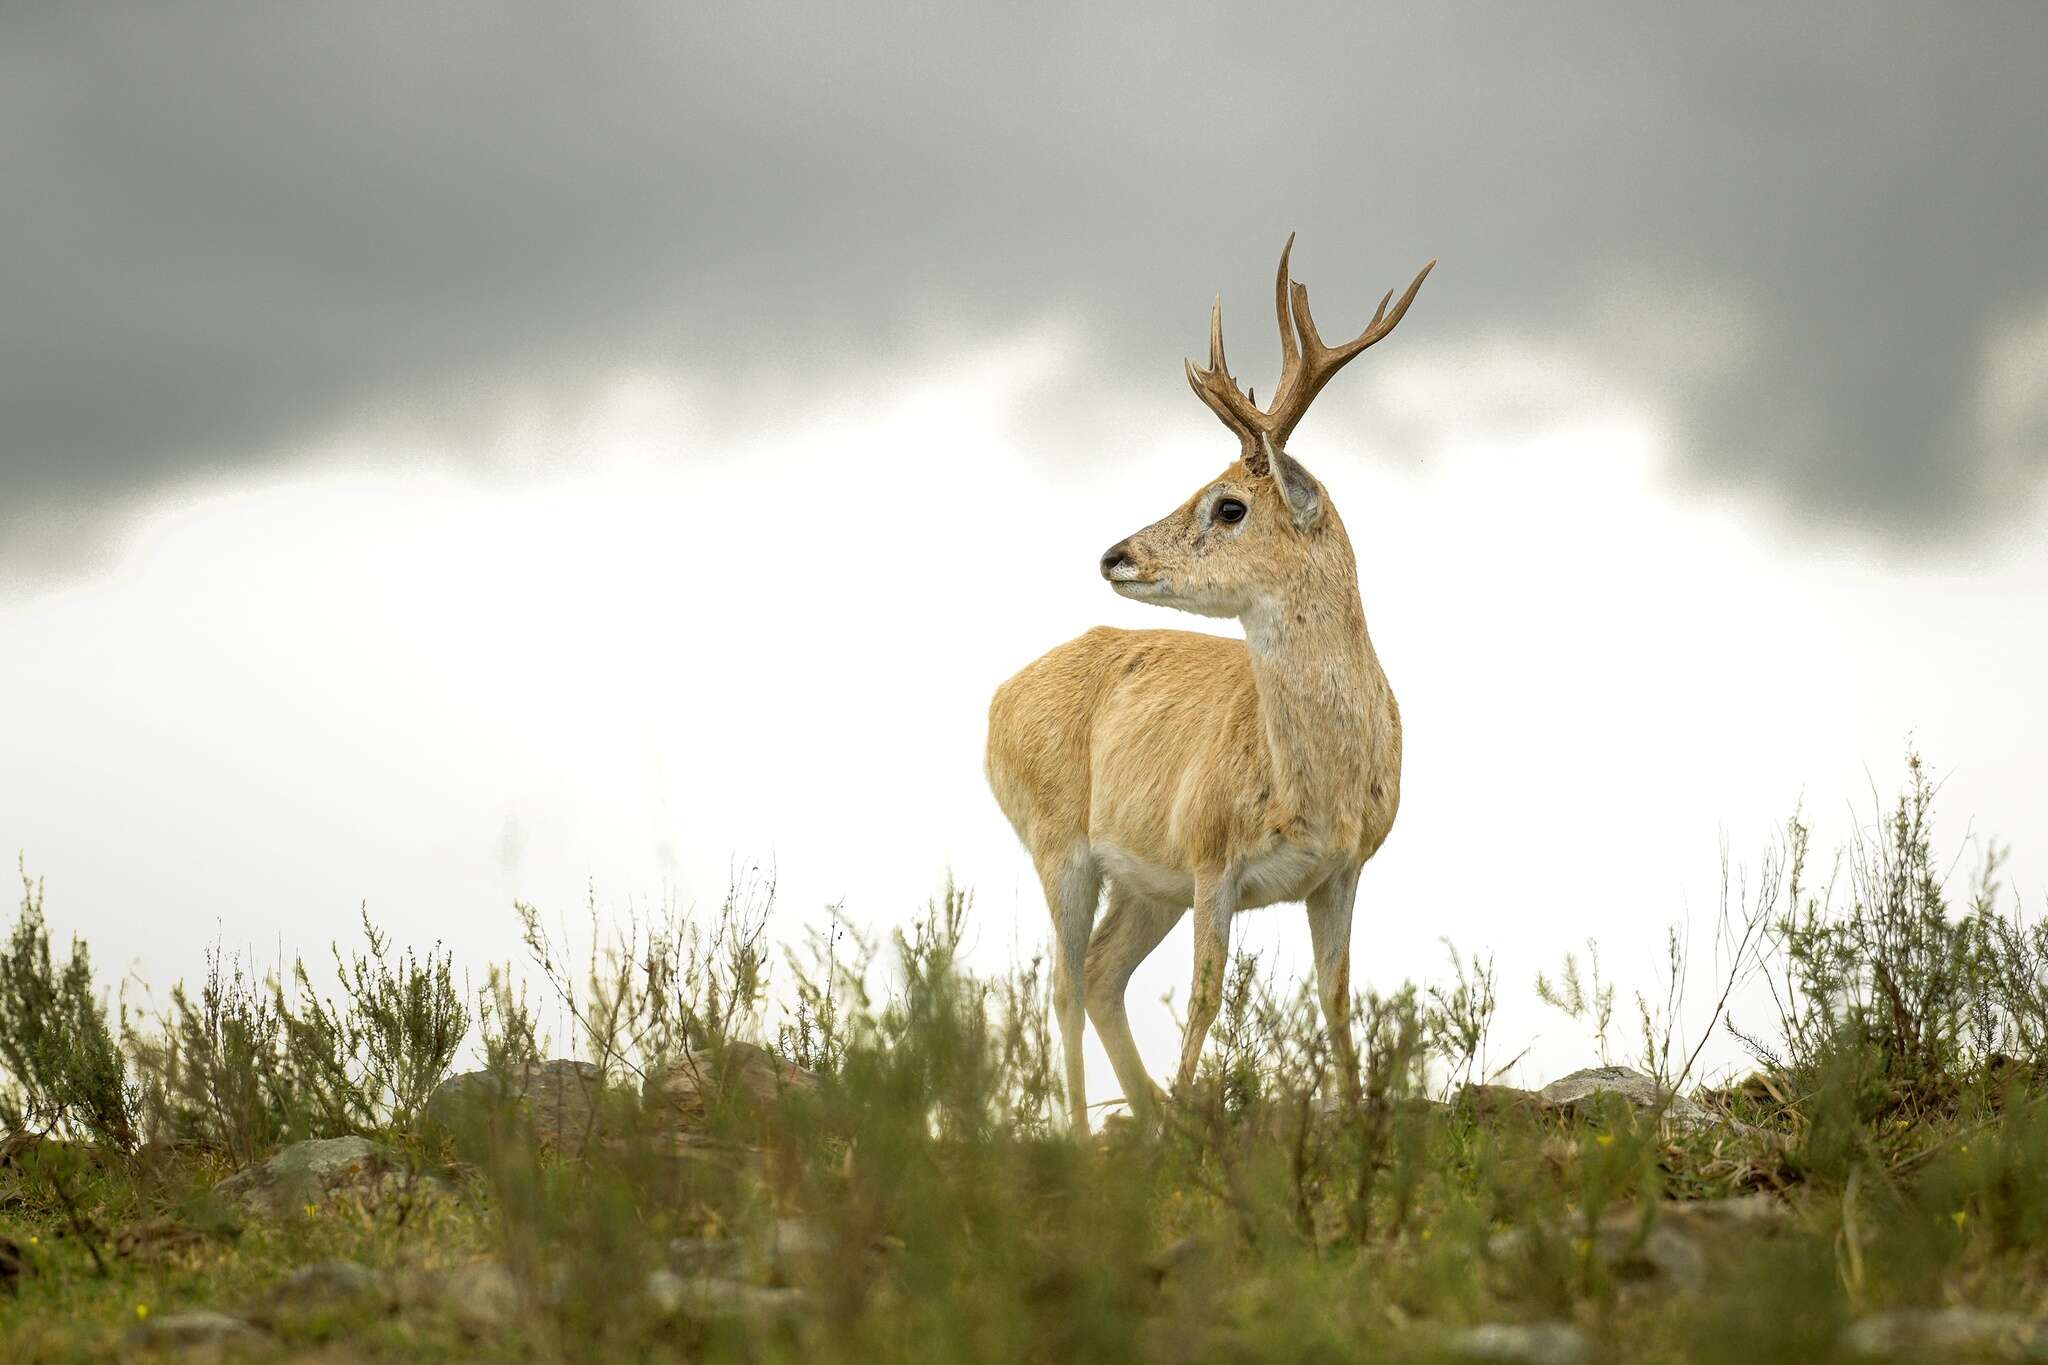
<point x="247" y="1065"/>
<point x="1893" y="994"/>
<point x="64" y="1071"/>
<point x="212" y="1072"/>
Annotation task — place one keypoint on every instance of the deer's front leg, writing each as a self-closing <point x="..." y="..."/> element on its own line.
<point x="1215" y="903"/>
<point x="1329" y="929"/>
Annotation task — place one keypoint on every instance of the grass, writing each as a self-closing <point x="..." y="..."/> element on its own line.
<point x="1891" y="1151"/>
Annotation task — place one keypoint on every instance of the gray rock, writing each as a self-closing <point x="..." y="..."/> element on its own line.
<point x="1665" y="1260"/>
<point x="327" y="1284"/>
<point x="1765" y="1212"/>
<point x="1939" y="1334"/>
<point x="1520" y="1343"/>
<point x="197" y="1330"/>
<point x="693" y="1256"/>
<point x="799" y="1238"/>
<point x="790" y="1248"/>
<point x="481" y="1296"/>
<point x="557" y="1098"/>
<point x="314" y="1171"/>
<point x="707" y="1298"/>
<point x="1638" y="1089"/>
<point x="667" y="1291"/>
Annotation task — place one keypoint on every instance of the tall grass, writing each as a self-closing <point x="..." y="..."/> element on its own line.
<point x="1273" y="1213"/>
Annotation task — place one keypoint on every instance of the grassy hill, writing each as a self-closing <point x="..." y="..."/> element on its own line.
<point x="886" y="1178"/>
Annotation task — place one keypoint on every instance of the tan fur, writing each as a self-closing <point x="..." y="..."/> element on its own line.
<point x="1192" y="770"/>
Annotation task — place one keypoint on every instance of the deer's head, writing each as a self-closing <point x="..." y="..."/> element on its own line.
<point x="1265" y="524"/>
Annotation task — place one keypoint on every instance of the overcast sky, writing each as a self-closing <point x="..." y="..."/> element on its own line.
<point x="461" y="453"/>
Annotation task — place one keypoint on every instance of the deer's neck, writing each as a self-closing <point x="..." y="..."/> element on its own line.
<point x="1327" y="709"/>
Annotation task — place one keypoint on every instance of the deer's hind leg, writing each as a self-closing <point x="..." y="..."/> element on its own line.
<point x="1073" y="886"/>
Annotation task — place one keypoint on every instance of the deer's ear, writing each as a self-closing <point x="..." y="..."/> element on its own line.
<point x="1304" y="496"/>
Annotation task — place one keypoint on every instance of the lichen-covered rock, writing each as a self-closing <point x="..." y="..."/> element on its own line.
<point x="558" y="1099"/>
<point x="1520" y="1343"/>
<point x="691" y="1087"/>
<point x="1940" y="1334"/>
<point x="1639" y="1090"/>
<point x="310" y="1173"/>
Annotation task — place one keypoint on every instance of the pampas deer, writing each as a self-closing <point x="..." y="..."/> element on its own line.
<point x="1194" y="770"/>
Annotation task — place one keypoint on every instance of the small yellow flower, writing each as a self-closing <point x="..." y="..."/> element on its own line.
<point x="34" y="1240"/>
<point x="141" y="1311"/>
<point x="1960" y="1217"/>
<point x="312" y="1210"/>
<point x="1425" y="1234"/>
<point x="1605" y="1139"/>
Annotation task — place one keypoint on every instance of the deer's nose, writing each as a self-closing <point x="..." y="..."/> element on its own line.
<point x="1114" y="558"/>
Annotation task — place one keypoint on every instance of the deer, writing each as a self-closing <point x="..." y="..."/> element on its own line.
<point x="1194" y="771"/>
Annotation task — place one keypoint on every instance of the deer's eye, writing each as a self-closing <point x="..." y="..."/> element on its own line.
<point x="1230" y="511"/>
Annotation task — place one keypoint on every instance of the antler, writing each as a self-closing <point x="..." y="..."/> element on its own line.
<point x="1306" y="364"/>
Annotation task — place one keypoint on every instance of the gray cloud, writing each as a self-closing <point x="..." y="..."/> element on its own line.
<point x="226" y="231"/>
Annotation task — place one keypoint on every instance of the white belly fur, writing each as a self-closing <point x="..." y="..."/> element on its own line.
<point x="1284" y="874"/>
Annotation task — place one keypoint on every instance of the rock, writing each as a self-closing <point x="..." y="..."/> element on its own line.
<point x="789" y="1248"/>
<point x="1685" y="1241"/>
<point x="1665" y="1260"/>
<point x="1939" y="1334"/>
<point x="795" y="1246"/>
<point x="311" y="1172"/>
<point x="198" y="1330"/>
<point x="481" y="1296"/>
<point x="722" y="1257"/>
<point x="690" y="1088"/>
<point x="667" y="1291"/>
<point x="710" y="1299"/>
<point x="1490" y="1101"/>
<point x="1638" y="1089"/>
<point x="1522" y="1343"/>
<point x="558" y="1098"/>
<point x="325" y="1285"/>
<point x="1755" y="1210"/>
